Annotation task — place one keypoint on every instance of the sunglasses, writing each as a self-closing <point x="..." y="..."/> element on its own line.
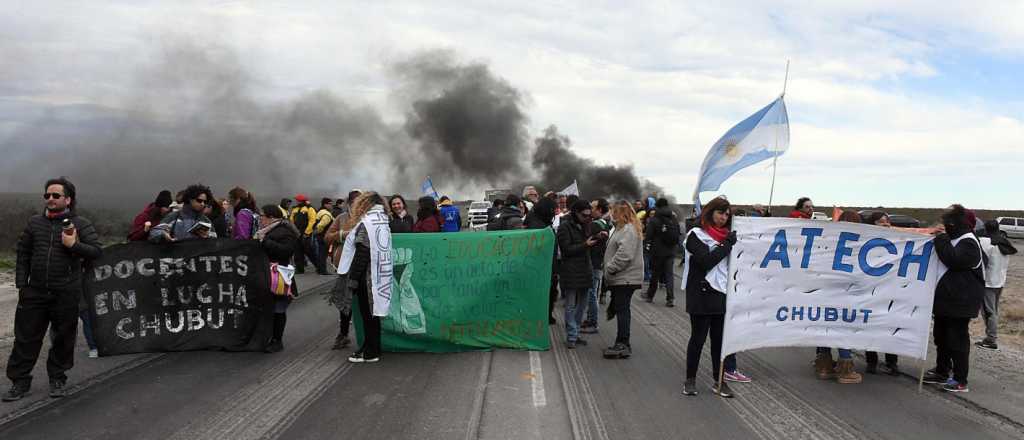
<point x="201" y="201"/>
<point x="55" y="196"/>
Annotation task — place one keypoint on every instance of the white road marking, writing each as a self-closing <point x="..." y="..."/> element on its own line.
<point x="539" y="398"/>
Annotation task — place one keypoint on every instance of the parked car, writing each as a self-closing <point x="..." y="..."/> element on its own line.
<point x="1013" y="226"/>
<point x="476" y="218"/>
<point x="897" y="220"/>
<point x="817" y="215"/>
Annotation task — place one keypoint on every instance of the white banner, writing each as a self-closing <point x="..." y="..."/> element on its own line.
<point x="808" y="283"/>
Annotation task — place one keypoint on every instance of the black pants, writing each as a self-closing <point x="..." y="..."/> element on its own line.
<point x="953" y="347"/>
<point x="552" y="296"/>
<point x="38" y="310"/>
<point x="300" y="255"/>
<point x="661" y="271"/>
<point x="621" y="296"/>
<point x="320" y="245"/>
<point x="700" y="327"/>
<point x="344" y="321"/>
<point x="371" y="324"/>
<point x="890" y="359"/>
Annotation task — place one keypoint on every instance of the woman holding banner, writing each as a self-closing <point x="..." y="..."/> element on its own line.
<point x="279" y="240"/>
<point x="707" y="247"/>
<point x="368" y="239"/>
<point x="623" y="273"/>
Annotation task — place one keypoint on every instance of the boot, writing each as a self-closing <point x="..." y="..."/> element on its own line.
<point x="846" y="374"/>
<point x="340" y="342"/>
<point x="823" y="367"/>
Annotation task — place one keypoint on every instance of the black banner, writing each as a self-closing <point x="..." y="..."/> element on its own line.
<point x="192" y="295"/>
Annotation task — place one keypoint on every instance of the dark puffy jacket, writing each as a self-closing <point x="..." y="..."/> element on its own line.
<point x="510" y="217"/>
<point x="597" y="251"/>
<point x="658" y="227"/>
<point x="44" y="262"/>
<point x="280" y="243"/>
<point x="960" y="291"/>
<point x="575" y="270"/>
<point x="701" y="298"/>
<point x="401" y="225"/>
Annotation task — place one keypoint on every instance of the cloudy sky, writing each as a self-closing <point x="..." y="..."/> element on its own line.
<point x="906" y="104"/>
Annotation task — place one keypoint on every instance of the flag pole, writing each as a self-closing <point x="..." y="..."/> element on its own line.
<point x="775" y="157"/>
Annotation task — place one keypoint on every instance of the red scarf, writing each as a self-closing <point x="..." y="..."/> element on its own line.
<point x="799" y="214"/>
<point x="715" y="232"/>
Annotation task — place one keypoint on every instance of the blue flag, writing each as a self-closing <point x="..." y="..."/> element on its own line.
<point x="763" y="135"/>
<point x="428" y="188"/>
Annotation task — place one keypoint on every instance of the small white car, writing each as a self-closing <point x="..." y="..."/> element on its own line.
<point x="1012" y="226"/>
<point x="817" y="215"/>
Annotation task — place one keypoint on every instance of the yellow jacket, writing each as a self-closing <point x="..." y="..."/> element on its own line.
<point x="324" y="218"/>
<point x="310" y="214"/>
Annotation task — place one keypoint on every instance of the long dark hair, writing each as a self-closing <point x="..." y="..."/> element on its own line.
<point x="245" y="199"/>
<point x="800" y="203"/>
<point x="428" y="208"/>
<point x="716" y="204"/>
<point x="391" y="200"/>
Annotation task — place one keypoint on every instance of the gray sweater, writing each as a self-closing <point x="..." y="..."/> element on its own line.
<point x="624" y="258"/>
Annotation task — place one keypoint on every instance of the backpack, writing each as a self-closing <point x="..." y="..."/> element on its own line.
<point x="670" y="233"/>
<point x="301" y="219"/>
<point x="255" y="227"/>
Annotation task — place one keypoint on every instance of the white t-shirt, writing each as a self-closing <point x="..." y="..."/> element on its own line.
<point x="995" y="271"/>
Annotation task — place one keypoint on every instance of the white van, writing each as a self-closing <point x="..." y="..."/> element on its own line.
<point x="1013" y="226"/>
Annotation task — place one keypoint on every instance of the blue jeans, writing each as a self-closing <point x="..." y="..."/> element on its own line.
<point x="574" y="304"/>
<point x="592" y="307"/>
<point x="87" y="329"/>
<point x="844" y="353"/>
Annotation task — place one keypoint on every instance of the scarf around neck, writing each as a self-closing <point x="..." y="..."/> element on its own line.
<point x="376" y="222"/>
<point x="717" y="233"/>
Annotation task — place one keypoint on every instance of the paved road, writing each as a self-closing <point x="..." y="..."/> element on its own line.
<point x="311" y="392"/>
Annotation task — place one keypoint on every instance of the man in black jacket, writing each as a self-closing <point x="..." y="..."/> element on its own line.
<point x="575" y="271"/>
<point x="48" y="275"/>
<point x="662" y="236"/>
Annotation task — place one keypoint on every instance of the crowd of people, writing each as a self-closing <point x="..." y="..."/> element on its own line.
<point x="605" y="252"/>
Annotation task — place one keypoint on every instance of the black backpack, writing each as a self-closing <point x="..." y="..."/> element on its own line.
<point x="670" y="232"/>
<point x="301" y="219"/>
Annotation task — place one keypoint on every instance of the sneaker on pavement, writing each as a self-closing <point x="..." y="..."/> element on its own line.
<point x="16" y="392"/>
<point x="931" y="376"/>
<point x="690" y="387"/>
<point x="723" y="390"/>
<point x="360" y="358"/>
<point x="58" y="389"/>
<point x="955" y="387"/>
<point x="94" y="353"/>
<point x="736" y="376"/>
<point x="570" y="345"/>
<point x="987" y="344"/>
<point x="617" y="351"/>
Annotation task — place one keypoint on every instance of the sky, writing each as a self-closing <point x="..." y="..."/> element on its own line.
<point x="911" y="103"/>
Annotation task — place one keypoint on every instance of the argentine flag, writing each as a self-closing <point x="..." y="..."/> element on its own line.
<point x="763" y="135"/>
<point x="427" y="187"/>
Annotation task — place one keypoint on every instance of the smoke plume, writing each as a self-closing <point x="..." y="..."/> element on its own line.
<point x="559" y="166"/>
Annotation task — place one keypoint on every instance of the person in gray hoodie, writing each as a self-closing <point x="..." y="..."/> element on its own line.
<point x="188" y="223"/>
<point x="624" y="273"/>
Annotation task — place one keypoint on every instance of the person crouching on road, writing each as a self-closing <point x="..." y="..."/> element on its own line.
<point x="187" y="223"/>
<point x="278" y="238"/>
<point x="958" y="297"/>
<point x="361" y="243"/>
<point x="708" y="246"/>
<point x="575" y="272"/>
<point x="624" y="273"/>
<point x="48" y="275"/>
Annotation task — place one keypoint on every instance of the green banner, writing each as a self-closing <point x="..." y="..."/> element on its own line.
<point x="468" y="291"/>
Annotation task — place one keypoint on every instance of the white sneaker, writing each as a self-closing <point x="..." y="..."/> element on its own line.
<point x="94" y="353"/>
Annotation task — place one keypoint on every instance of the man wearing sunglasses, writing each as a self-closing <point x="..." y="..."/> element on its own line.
<point x="188" y="223"/>
<point x="48" y="276"/>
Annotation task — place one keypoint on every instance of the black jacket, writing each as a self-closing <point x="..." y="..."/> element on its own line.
<point x="401" y="225"/>
<point x="659" y="226"/>
<point x="43" y="261"/>
<point x="280" y="243"/>
<point x="508" y="218"/>
<point x="961" y="289"/>
<point x="701" y="298"/>
<point x="575" y="270"/>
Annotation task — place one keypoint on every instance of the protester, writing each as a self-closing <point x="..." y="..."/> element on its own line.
<point x="48" y="276"/>
<point x="623" y="271"/>
<point x="286" y="207"/>
<point x="340" y="296"/>
<point x="600" y="228"/>
<point x="243" y="204"/>
<point x="187" y="223"/>
<point x="494" y="209"/>
<point x="662" y="238"/>
<point x="229" y="214"/>
<point x="450" y="213"/>
<point x="803" y="209"/>
<point x="824" y="369"/>
<point x="303" y="216"/>
<point x="215" y="212"/>
<point x="958" y="296"/>
<point x="428" y="218"/>
<point x="278" y="238"/>
<point x="510" y="217"/>
<point x="575" y="270"/>
<point x="401" y="221"/>
<point x="708" y="246"/>
<point x="339" y="208"/>
<point x="356" y="265"/>
<point x="757" y="211"/>
<point x="324" y="218"/>
<point x="150" y="216"/>
<point x="530" y="197"/>
<point x="996" y="248"/>
<point x="540" y="217"/>
<point x="891" y="365"/>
